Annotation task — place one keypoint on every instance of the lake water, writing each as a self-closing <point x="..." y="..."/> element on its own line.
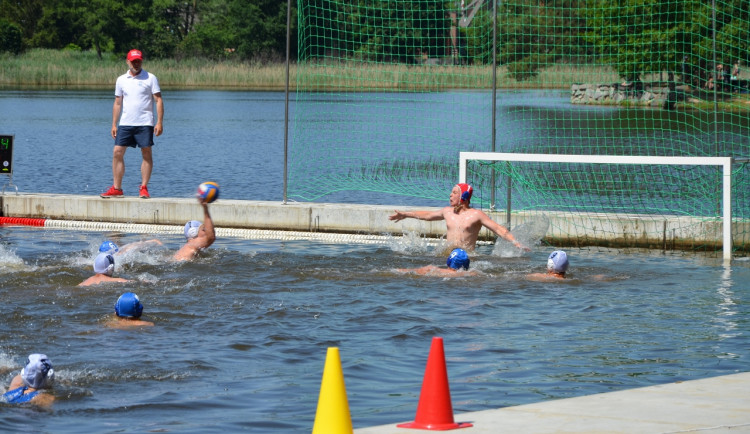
<point x="241" y="333"/>
<point x="236" y="138"/>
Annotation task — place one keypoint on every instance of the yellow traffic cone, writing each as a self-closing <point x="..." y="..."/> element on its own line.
<point x="333" y="415"/>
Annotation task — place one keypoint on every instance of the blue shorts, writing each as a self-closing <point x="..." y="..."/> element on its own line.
<point x="143" y="136"/>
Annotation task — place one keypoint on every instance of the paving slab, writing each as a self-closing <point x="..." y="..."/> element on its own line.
<point x="712" y="405"/>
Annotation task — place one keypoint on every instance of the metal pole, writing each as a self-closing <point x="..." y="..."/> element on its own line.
<point x="494" y="99"/>
<point x="286" y="95"/>
<point x="717" y="80"/>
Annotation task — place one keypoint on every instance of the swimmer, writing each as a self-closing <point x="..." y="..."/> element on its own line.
<point x="557" y="265"/>
<point x="104" y="267"/>
<point x="458" y="260"/>
<point x="29" y="386"/>
<point x="199" y="235"/>
<point x="128" y="310"/>
<point x="463" y="223"/>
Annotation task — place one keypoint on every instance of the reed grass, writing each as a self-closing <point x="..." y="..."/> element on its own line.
<point x="83" y="69"/>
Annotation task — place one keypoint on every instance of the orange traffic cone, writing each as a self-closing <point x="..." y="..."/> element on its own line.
<point x="435" y="411"/>
<point x="333" y="408"/>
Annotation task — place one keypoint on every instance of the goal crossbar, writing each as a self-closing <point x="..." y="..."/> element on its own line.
<point x="724" y="162"/>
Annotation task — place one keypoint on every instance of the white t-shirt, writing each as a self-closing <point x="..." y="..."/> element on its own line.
<point x="137" y="98"/>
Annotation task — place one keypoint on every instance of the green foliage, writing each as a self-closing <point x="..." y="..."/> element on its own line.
<point x="375" y="30"/>
<point x="535" y="34"/>
<point x="635" y="37"/>
<point x="639" y="37"/>
<point x="10" y="37"/>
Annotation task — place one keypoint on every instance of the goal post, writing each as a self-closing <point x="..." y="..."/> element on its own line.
<point x="724" y="162"/>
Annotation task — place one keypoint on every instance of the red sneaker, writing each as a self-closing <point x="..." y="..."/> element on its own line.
<point x="144" y="192"/>
<point x="112" y="192"/>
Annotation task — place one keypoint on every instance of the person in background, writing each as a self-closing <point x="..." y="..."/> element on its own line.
<point x="104" y="267"/>
<point x="128" y="311"/>
<point x="32" y="383"/>
<point x="557" y="266"/>
<point x="463" y="222"/>
<point x="199" y="235"/>
<point x="457" y="261"/>
<point x="136" y="93"/>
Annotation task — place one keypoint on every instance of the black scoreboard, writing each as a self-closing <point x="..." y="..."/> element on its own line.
<point x="6" y="155"/>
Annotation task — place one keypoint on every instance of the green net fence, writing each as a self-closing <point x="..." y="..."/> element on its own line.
<point x="389" y="92"/>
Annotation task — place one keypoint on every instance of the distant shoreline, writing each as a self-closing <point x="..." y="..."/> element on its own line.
<point x="55" y="69"/>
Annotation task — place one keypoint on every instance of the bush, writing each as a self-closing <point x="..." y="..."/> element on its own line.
<point x="10" y="37"/>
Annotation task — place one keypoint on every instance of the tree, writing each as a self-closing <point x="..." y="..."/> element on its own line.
<point x="24" y="14"/>
<point x="533" y="34"/>
<point x="637" y="36"/>
<point x="11" y="39"/>
<point x="257" y="29"/>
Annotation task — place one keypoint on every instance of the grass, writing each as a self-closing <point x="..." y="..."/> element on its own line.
<point x="83" y="69"/>
<point x="44" y="68"/>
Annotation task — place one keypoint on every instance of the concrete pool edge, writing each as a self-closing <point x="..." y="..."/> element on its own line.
<point x="716" y="404"/>
<point x="622" y="230"/>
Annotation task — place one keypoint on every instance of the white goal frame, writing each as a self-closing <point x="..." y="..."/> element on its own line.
<point x="725" y="162"/>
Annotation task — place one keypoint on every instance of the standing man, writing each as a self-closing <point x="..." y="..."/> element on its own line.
<point x="136" y="93"/>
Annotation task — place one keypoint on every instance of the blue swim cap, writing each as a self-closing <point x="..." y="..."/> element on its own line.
<point x="104" y="264"/>
<point x="558" y="261"/>
<point x="458" y="259"/>
<point x="128" y="306"/>
<point x="109" y="247"/>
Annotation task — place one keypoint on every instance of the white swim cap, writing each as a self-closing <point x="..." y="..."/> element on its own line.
<point x="558" y="261"/>
<point x="191" y="229"/>
<point x="38" y="372"/>
<point x="104" y="264"/>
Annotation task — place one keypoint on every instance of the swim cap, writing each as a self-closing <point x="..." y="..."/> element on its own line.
<point x="104" y="264"/>
<point x="38" y="372"/>
<point x="109" y="247"/>
<point x="558" y="261"/>
<point x="191" y="229"/>
<point x="128" y="306"/>
<point x="458" y="259"/>
<point x="466" y="192"/>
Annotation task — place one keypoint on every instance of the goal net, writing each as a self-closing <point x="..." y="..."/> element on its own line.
<point x="388" y="93"/>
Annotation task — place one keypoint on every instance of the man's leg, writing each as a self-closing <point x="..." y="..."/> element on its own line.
<point x="118" y="165"/>
<point x="146" y="166"/>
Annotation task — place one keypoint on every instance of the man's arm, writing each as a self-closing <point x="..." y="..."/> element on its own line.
<point x="208" y="228"/>
<point x="500" y="230"/>
<point x="138" y="245"/>
<point x="419" y="215"/>
<point x="208" y="225"/>
<point x="116" y="109"/>
<point x="159" y="128"/>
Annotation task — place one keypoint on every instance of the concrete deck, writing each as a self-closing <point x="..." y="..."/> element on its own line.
<point x="712" y="405"/>
<point x="565" y="229"/>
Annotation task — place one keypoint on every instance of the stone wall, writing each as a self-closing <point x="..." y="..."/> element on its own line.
<point x="645" y="95"/>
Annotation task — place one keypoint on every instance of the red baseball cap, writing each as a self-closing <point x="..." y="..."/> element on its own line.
<point x="134" y="54"/>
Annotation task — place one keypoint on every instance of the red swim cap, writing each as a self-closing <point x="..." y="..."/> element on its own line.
<point x="466" y="192"/>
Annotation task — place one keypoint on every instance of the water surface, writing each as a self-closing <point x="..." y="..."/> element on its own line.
<point x="241" y="333"/>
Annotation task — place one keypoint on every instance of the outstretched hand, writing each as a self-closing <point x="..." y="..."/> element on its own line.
<point x="522" y="246"/>
<point x="398" y="216"/>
